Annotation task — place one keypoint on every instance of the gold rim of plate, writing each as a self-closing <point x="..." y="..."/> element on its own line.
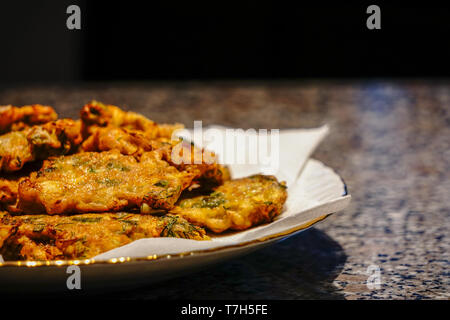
<point x="120" y="260"/>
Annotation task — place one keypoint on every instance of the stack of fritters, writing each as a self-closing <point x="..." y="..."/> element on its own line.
<point x="76" y="188"/>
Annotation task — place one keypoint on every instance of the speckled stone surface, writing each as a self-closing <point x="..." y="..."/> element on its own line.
<point x="389" y="141"/>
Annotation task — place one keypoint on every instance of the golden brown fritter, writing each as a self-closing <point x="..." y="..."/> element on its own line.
<point x="38" y="143"/>
<point x="96" y="114"/>
<point x="9" y="188"/>
<point x="208" y="181"/>
<point x="237" y="204"/>
<point x="208" y="173"/>
<point x="128" y="142"/>
<point x="183" y="155"/>
<point x="200" y="163"/>
<point x="15" y="151"/>
<point x="56" y="137"/>
<point x="110" y="128"/>
<point x="102" y="182"/>
<point x="17" y="118"/>
<point x="186" y="156"/>
<point x="43" y="237"/>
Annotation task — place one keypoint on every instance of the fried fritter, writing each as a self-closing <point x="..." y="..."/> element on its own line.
<point x="38" y="143"/>
<point x="128" y="142"/>
<point x="96" y="114"/>
<point x="183" y="155"/>
<point x="43" y="237"/>
<point x="186" y="156"/>
<point x="208" y="182"/>
<point x="202" y="164"/>
<point x="9" y="188"/>
<point x="102" y="182"/>
<point x="110" y="128"/>
<point x="16" y="118"/>
<point x="237" y="204"/>
<point x="15" y="151"/>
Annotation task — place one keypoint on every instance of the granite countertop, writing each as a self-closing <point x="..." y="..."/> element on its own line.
<point x="389" y="141"/>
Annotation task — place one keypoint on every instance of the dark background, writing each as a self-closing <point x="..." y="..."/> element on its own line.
<point x="139" y="40"/>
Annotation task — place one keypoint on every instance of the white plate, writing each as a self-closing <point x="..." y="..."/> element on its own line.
<point x="318" y="193"/>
